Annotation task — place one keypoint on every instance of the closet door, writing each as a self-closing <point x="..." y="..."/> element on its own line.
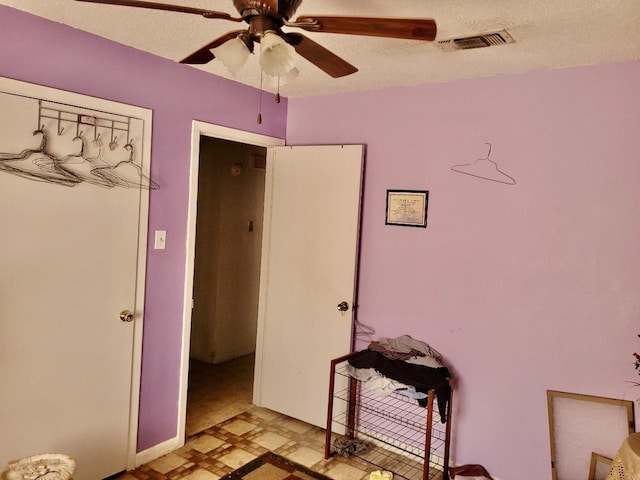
<point x="310" y="246"/>
<point x="68" y="268"/>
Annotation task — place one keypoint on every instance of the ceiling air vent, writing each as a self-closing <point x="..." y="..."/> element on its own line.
<point x="475" y="41"/>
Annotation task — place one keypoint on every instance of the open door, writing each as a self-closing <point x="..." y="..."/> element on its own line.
<point x="308" y="275"/>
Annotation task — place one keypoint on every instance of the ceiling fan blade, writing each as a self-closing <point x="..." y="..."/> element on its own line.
<point x="204" y="55"/>
<point x="403" y="28"/>
<point x="322" y="58"/>
<point x="165" y="6"/>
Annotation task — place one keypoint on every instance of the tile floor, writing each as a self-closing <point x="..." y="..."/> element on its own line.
<point x="225" y="431"/>
<point x="218" y="392"/>
<point x="222" y="448"/>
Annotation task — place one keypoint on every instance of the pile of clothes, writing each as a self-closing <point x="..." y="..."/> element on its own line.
<point x="405" y="366"/>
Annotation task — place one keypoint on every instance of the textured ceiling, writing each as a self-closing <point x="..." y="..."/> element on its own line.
<point x="548" y="34"/>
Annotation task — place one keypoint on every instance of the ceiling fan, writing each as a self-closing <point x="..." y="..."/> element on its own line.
<point x="267" y="17"/>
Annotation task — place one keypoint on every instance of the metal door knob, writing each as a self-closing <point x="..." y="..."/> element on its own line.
<point x="343" y="307"/>
<point x="126" y="316"/>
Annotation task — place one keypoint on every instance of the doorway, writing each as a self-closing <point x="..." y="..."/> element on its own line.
<point x="202" y="130"/>
<point x="226" y="281"/>
<point x="310" y="243"/>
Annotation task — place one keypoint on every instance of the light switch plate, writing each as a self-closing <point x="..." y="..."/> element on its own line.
<point x="160" y="240"/>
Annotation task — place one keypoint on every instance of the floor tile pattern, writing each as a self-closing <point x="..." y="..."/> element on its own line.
<point x="226" y="431"/>
<point x="274" y="467"/>
<point x="218" y="392"/>
<point x="222" y="448"/>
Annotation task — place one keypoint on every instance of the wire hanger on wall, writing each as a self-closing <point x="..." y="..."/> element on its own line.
<point x="486" y="169"/>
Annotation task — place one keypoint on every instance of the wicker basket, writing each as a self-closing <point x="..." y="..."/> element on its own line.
<point x="47" y="466"/>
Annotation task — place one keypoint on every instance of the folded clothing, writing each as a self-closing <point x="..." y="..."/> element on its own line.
<point x="421" y="377"/>
<point x="409" y="349"/>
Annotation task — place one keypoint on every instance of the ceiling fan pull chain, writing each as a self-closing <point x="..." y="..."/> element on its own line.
<point x="259" y="119"/>
<point x="278" y="92"/>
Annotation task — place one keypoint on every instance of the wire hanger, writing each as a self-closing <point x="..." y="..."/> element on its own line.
<point x="17" y="164"/>
<point x="75" y="168"/>
<point x="486" y="169"/>
<point x="78" y="165"/>
<point x="141" y="180"/>
<point x="61" y="166"/>
<point x="99" y="167"/>
<point x="28" y="151"/>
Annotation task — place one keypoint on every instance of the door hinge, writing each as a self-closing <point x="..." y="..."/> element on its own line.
<point x="193" y="304"/>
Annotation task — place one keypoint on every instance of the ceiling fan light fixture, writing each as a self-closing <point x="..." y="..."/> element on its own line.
<point x="234" y="53"/>
<point x="289" y="76"/>
<point x="277" y="57"/>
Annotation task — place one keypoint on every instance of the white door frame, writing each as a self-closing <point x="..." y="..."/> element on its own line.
<point x="98" y="104"/>
<point x="209" y="130"/>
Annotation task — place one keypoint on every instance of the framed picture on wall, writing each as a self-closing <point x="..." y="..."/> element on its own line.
<point x="407" y="208"/>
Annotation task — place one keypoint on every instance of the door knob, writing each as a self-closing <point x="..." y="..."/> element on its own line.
<point x="126" y="316"/>
<point x="343" y="307"/>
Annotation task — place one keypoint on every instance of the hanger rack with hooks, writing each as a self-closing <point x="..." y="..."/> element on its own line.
<point x="80" y="154"/>
<point x="114" y="124"/>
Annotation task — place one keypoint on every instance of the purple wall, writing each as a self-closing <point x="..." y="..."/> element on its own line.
<point x="523" y="288"/>
<point x="47" y="53"/>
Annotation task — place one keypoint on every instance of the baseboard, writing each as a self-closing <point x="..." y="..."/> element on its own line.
<point x="157" y="451"/>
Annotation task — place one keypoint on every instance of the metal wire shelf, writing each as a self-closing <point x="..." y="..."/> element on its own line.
<point x="405" y="438"/>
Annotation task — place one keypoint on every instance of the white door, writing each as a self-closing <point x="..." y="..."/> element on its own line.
<point x="308" y="268"/>
<point x="68" y="265"/>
